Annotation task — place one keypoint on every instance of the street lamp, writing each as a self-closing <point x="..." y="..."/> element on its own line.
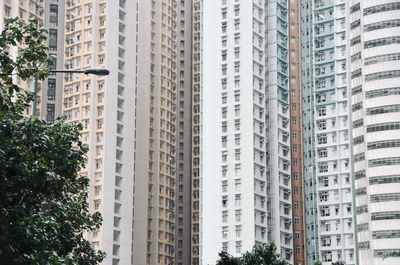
<point x="88" y="71"/>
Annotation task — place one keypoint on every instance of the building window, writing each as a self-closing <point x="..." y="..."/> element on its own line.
<point x="224" y="186"/>
<point x="382" y="58"/>
<point x="363" y="227"/>
<point x="237" y="200"/>
<point x="383" y="92"/>
<point x="358" y="140"/>
<point x="238" y="246"/>
<point x="384" y="179"/>
<point x="224" y="232"/>
<point x="237" y="170"/>
<point x="237" y="10"/>
<point x="393" y="215"/>
<point x="382" y="25"/>
<point x="238" y="215"/>
<point x="237" y="154"/>
<point x="385" y="234"/>
<point x="355" y="41"/>
<point x="383" y="109"/>
<point x="225" y="216"/>
<point x="223" y="27"/>
<point x="53" y="39"/>
<point x="224" y="201"/>
<point x="238" y="231"/>
<point x="382" y="75"/>
<point x="358" y="123"/>
<point x="225" y="246"/>
<point x="387" y="197"/>
<point x="238" y="184"/>
<point x="382" y="42"/>
<point x="381" y="8"/>
<point x="359" y="157"/>
<point x="383" y="127"/>
<point x="50" y="113"/>
<point x="54" y="14"/>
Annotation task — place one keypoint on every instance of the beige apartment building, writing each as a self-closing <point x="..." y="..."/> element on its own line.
<point x="26" y="10"/>
<point x="137" y="122"/>
<point x="49" y="14"/>
<point x="156" y="118"/>
<point x="142" y="122"/>
<point x="100" y="33"/>
<point x="184" y="133"/>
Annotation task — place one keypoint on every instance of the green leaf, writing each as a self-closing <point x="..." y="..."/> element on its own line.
<point x="43" y="200"/>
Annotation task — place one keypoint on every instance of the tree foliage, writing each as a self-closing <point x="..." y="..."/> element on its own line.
<point x="339" y="262"/>
<point x="227" y="259"/>
<point x="261" y="254"/>
<point x="43" y="200"/>
<point x="32" y="58"/>
<point x="393" y="254"/>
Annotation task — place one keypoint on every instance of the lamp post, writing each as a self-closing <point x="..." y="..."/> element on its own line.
<point x="88" y="71"/>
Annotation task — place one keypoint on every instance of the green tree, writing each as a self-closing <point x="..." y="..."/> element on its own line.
<point x="393" y="254"/>
<point x="226" y="259"/>
<point x="43" y="200"/>
<point x="261" y="254"/>
<point x="340" y="262"/>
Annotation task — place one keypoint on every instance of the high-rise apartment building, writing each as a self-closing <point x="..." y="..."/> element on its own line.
<point x="375" y="92"/>
<point x="195" y="131"/>
<point x="26" y="10"/>
<point x="296" y="134"/>
<point x="184" y="133"/>
<point x="246" y="184"/>
<point x="99" y="33"/>
<point x="277" y="115"/>
<point x="52" y="87"/>
<point x="309" y="163"/>
<point x="228" y="123"/>
<point x="155" y="144"/>
<point x="326" y="124"/>
<point x="49" y="14"/>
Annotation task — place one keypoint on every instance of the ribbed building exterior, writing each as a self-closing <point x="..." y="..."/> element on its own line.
<point x="224" y="124"/>
<point x="277" y="115"/>
<point x="309" y="165"/>
<point x="52" y="88"/>
<point x="100" y="34"/>
<point x="196" y="132"/>
<point x="326" y="123"/>
<point x="375" y="77"/>
<point x="156" y="144"/>
<point x="25" y="9"/>
<point x="296" y="133"/>
<point x="48" y="14"/>
<point x="246" y="184"/>
<point x="183" y="238"/>
<point x="48" y="103"/>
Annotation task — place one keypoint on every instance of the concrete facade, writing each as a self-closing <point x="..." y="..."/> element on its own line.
<point x="327" y="151"/>
<point x="98" y="34"/>
<point x="245" y="167"/>
<point x="375" y="96"/>
<point x="296" y="133"/>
